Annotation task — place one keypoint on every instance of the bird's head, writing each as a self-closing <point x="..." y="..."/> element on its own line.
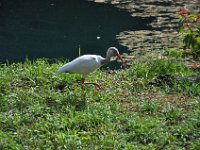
<point x="113" y="51"/>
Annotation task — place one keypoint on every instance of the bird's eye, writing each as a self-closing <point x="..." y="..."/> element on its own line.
<point x="115" y="51"/>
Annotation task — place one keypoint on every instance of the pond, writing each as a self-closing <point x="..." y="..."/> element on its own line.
<point x="57" y="28"/>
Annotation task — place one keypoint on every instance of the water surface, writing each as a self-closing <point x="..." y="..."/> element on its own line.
<point x="57" y="28"/>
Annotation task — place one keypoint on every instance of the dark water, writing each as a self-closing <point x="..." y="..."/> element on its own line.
<point x="56" y="28"/>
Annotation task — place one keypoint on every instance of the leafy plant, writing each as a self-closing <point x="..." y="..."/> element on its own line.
<point x="190" y="30"/>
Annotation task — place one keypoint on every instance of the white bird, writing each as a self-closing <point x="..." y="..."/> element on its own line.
<point x="86" y="64"/>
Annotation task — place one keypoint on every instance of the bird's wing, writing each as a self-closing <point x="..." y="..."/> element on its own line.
<point x="82" y="65"/>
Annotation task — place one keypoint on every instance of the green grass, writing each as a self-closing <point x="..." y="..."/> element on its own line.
<point x="137" y="108"/>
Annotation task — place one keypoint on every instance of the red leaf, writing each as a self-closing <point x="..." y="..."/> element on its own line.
<point x="183" y="12"/>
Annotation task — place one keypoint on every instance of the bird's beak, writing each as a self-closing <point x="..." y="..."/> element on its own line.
<point x="120" y="58"/>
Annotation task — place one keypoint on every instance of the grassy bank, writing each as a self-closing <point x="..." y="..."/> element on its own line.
<point x="154" y="104"/>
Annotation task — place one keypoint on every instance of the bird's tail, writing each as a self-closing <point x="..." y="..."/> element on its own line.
<point x="60" y="70"/>
<point x="64" y="68"/>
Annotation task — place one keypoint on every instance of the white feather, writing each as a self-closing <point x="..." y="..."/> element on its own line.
<point x="82" y="65"/>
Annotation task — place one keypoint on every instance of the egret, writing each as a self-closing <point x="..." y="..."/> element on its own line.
<point x="86" y="64"/>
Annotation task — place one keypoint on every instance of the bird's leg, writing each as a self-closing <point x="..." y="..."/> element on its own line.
<point x="83" y="88"/>
<point x="95" y="84"/>
<point x="83" y="84"/>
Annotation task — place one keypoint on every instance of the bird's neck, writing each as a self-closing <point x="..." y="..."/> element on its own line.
<point x="105" y="60"/>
